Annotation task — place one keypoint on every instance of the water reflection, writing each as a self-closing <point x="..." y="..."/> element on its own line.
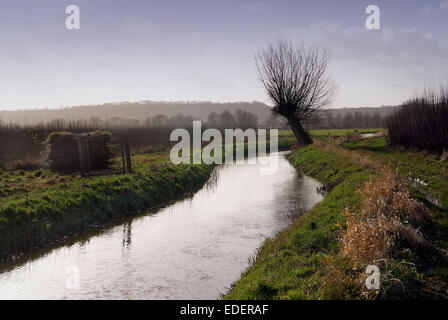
<point x="127" y="235"/>
<point x="192" y="249"/>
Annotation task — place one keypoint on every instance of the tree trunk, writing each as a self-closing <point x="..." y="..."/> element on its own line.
<point x="301" y="135"/>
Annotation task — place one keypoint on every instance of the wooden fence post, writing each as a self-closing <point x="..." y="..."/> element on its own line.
<point x="84" y="156"/>
<point x="87" y="150"/>
<point x="122" y="157"/>
<point x="128" y="157"/>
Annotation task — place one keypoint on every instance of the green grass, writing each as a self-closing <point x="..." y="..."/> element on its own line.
<point x="329" y="132"/>
<point x="291" y="266"/>
<point x="38" y="207"/>
<point x="418" y="165"/>
<point x="434" y="174"/>
<point x="41" y="207"/>
<point x="427" y="168"/>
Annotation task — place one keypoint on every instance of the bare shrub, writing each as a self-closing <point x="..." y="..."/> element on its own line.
<point x="368" y="239"/>
<point x="389" y="196"/>
<point x="386" y="209"/>
<point x="421" y="123"/>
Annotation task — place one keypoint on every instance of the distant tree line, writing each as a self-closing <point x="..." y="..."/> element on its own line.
<point x="19" y="141"/>
<point x="356" y="120"/>
<point x="325" y="119"/>
<point x="226" y="119"/>
<point x="241" y="119"/>
<point x="27" y="142"/>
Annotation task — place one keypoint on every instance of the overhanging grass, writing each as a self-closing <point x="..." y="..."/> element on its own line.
<point x="430" y="170"/>
<point x="294" y="265"/>
<point x="42" y="215"/>
<point x="41" y="206"/>
<point x="291" y="266"/>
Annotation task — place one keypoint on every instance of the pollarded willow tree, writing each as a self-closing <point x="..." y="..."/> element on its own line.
<point x="297" y="82"/>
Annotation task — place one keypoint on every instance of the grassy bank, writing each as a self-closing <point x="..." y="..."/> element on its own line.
<point x="432" y="172"/>
<point x="292" y="265"/>
<point x="41" y="206"/>
<point x="305" y="261"/>
<point x="38" y="207"/>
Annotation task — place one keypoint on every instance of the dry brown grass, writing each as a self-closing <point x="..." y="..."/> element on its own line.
<point x="387" y="217"/>
<point x="340" y="283"/>
<point x="444" y="156"/>
<point x="368" y="239"/>
<point x="387" y="213"/>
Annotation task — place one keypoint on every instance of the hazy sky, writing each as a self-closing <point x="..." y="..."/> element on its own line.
<point x="203" y="49"/>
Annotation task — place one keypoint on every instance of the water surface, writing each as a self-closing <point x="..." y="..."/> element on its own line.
<point x="193" y="249"/>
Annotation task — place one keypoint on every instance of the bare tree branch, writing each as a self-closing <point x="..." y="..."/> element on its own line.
<point x="296" y="81"/>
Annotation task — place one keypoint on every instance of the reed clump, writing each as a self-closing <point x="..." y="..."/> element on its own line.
<point x="387" y="215"/>
<point x="386" y="222"/>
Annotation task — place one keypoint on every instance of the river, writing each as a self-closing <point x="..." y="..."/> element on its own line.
<point x="192" y="249"/>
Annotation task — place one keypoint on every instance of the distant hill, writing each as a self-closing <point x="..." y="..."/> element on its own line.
<point x="146" y="109"/>
<point x="134" y="110"/>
